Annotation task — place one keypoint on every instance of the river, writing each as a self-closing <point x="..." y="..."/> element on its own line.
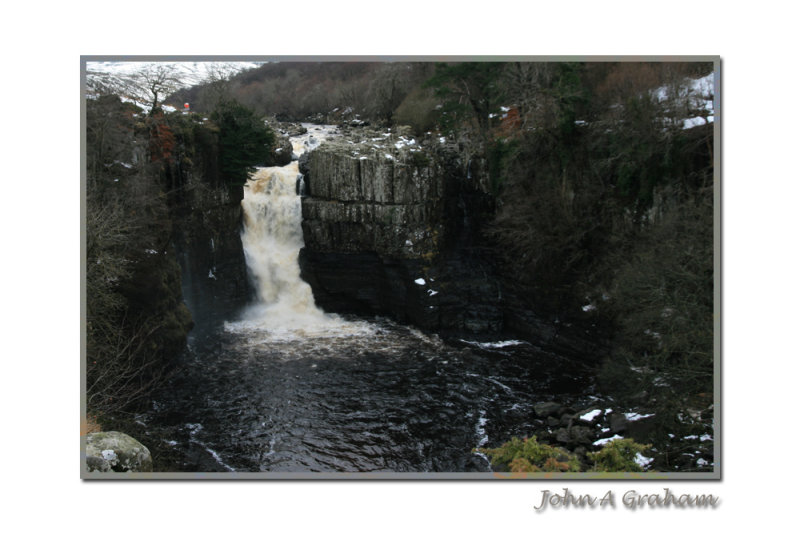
<point x="286" y="387"/>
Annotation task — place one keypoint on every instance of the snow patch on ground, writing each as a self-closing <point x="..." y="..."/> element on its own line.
<point x="643" y="461"/>
<point x="698" y="94"/>
<point x="113" y="74"/>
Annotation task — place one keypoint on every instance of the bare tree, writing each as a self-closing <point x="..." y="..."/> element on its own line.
<point x="526" y="83"/>
<point x="154" y="82"/>
<point x="216" y="86"/>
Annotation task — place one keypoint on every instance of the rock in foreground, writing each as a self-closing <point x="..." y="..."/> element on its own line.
<point x="115" y="451"/>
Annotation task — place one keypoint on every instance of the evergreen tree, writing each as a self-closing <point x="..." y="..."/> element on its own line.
<point x="244" y="141"/>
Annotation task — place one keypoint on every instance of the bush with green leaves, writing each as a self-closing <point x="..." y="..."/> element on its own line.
<point x="618" y="455"/>
<point x="527" y="455"/>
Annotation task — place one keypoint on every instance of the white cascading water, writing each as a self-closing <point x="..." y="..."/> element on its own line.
<point x="272" y="239"/>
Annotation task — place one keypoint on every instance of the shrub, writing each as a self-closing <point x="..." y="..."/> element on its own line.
<point x="618" y="456"/>
<point x="527" y="455"/>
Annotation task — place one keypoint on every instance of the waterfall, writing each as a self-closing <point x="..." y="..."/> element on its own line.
<point x="272" y="238"/>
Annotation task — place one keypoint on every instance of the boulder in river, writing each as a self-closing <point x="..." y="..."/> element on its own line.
<point x="283" y="152"/>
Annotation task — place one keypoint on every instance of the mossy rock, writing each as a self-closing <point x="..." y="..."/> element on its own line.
<point x="116" y="452"/>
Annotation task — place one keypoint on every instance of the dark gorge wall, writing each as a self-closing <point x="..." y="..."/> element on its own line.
<point x="206" y="213"/>
<point x="390" y="228"/>
<point x="396" y="227"/>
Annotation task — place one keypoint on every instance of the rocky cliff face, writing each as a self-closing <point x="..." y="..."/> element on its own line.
<point x="388" y="224"/>
<point x="372" y="197"/>
<point x="207" y="238"/>
<point x="394" y="226"/>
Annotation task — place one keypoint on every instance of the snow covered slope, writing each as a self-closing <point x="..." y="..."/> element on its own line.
<point x="104" y="76"/>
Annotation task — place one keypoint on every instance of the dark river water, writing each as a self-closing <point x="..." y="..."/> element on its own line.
<point x="385" y="398"/>
<point x="286" y="387"/>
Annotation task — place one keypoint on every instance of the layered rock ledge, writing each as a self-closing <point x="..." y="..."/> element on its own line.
<point x="384" y="222"/>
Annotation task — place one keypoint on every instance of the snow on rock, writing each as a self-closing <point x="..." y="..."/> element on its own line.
<point x="632" y="416"/>
<point x="603" y="441"/>
<point x="698" y="94"/>
<point x="591" y="415"/>
<point x="403" y="142"/>
<point x="643" y="461"/>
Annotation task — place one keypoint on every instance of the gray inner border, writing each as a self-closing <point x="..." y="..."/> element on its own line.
<point x="715" y="475"/>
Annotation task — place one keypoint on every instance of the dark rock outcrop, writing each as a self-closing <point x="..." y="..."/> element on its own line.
<point x="207" y="221"/>
<point x="282" y="153"/>
<point x="380" y="237"/>
<point x="394" y="226"/>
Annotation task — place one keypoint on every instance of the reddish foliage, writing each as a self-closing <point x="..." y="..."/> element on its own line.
<point x="510" y="124"/>
<point x="162" y="141"/>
